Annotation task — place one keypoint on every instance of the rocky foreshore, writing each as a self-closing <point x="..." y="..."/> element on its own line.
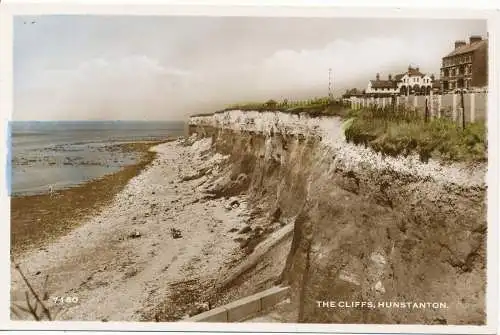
<point x="152" y="254"/>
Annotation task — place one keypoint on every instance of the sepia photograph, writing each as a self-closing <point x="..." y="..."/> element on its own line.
<point x="249" y="169"/>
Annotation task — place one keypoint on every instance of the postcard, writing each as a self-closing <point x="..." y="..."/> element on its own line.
<point x="187" y="168"/>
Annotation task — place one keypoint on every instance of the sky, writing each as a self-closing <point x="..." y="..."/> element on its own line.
<point x="85" y="67"/>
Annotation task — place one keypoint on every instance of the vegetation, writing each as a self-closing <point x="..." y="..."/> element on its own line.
<point x="392" y="131"/>
<point x="321" y="106"/>
<point x="314" y="106"/>
<point x="402" y="132"/>
<point x="32" y="304"/>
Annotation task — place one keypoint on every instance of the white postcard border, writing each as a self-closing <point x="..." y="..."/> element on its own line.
<point x="291" y="9"/>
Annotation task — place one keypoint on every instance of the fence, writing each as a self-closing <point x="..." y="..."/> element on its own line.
<point x="448" y="105"/>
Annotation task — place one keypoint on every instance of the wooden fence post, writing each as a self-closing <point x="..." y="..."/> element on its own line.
<point x="472" y="107"/>
<point x="431" y="102"/>
<point x="440" y="101"/>
<point x="458" y="120"/>
<point x="463" y="108"/>
<point x="454" y="107"/>
<point x="426" y="115"/>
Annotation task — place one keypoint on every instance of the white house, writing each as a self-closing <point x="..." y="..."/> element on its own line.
<point x="410" y="82"/>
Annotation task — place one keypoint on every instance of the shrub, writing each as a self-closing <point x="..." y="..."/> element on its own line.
<point x="406" y="132"/>
<point x="393" y="130"/>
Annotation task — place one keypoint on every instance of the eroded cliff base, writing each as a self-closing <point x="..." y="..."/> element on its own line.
<point x="348" y="232"/>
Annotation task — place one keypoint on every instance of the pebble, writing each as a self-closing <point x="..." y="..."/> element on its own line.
<point x="379" y="287"/>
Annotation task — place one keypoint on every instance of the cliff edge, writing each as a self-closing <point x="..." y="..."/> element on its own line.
<point x="364" y="227"/>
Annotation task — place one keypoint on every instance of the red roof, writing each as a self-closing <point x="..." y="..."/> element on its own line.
<point x="383" y="83"/>
<point x="399" y="76"/>
<point x="414" y="72"/>
<point x="467" y="48"/>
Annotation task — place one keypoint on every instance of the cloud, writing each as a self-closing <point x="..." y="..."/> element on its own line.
<point x="142" y="87"/>
<point x="126" y="88"/>
<point x="302" y="73"/>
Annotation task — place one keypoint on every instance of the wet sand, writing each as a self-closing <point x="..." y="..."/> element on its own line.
<point x="154" y="250"/>
<point x="39" y="219"/>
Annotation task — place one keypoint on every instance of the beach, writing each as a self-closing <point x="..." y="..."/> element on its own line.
<point x="36" y="219"/>
<point x="159" y="239"/>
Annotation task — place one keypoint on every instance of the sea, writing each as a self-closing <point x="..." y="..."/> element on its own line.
<point x="57" y="155"/>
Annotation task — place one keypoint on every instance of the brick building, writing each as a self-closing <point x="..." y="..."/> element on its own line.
<point x="466" y="66"/>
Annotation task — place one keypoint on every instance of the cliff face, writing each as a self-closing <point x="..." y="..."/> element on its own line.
<point x="366" y="228"/>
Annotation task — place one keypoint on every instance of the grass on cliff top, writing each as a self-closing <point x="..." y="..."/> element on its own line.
<point x="393" y="132"/>
<point x="313" y="107"/>
<point x="403" y="132"/>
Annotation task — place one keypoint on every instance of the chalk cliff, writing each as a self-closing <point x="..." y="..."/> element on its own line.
<point x="365" y="227"/>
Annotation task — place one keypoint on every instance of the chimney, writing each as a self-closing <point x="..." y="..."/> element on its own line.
<point x="432" y="77"/>
<point x="459" y="44"/>
<point x="378" y="76"/>
<point x="390" y="77"/>
<point x="418" y="69"/>
<point x="475" y="38"/>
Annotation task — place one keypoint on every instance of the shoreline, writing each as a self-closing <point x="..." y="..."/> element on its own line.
<point x="38" y="219"/>
<point x="126" y="260"/>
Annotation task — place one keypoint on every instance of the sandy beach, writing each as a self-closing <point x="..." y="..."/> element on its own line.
<point x="159" y="239"/>
<point x="38" y="219"/>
